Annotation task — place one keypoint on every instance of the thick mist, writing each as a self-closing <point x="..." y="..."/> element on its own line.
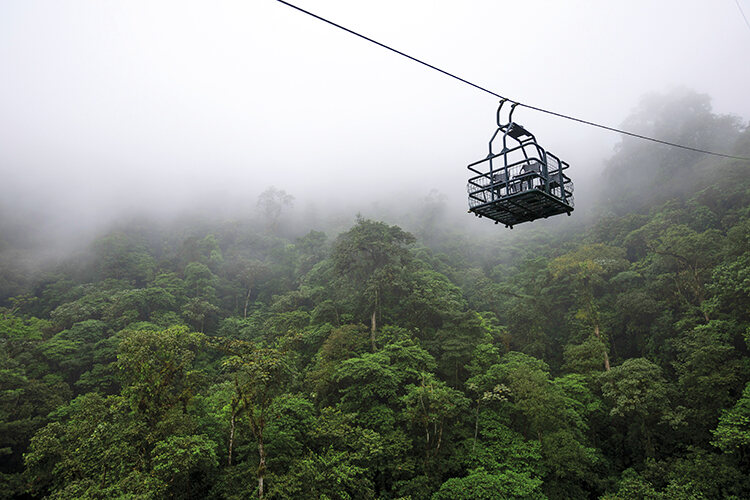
<point x="110" y="111"/>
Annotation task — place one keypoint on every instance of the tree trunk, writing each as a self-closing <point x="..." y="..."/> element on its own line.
<point x="439" y="438"/>
<point x="373" y="322"/>
<point x="476" y="429"/>
<point x="593" y="314"/>
<point x="247" y="301"/>
<point x="231" y="438"/>
<point x="372" y="330"/>
<point x="427" y="449"/>
<point x="598" y="336"/>
<point x="261" y="465"/>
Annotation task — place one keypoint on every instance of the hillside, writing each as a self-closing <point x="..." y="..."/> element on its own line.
<point x="227" y="359"/>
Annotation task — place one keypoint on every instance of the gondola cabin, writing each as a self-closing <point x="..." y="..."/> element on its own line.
<point x="522" y="182"/>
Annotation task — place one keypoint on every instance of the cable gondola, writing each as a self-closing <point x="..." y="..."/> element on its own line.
<point x="522" y="182"/>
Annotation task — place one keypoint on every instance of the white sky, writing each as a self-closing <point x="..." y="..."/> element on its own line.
<point x="107" y="105"/>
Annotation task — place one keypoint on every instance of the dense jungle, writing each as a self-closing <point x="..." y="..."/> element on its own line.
<point x="397" y="356"/>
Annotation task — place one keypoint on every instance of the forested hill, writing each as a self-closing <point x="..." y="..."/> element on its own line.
<point x="228" y="361"/>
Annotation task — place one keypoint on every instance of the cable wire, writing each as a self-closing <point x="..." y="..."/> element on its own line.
<point x="743" y="13"/>
<point x="528" y="106"/>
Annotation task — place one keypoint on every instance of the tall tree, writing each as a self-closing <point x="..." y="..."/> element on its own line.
<point x="431" y="405"/>
<point x="585" y="271"/>
<point x="259" y="377"/>
<point x="369" y="261"/>
<point x="639" y="399"/>
<point x="272" y="202"/>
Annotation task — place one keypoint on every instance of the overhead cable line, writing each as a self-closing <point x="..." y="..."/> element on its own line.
<point x="535" y="108"/>
<point x="743" y="13"/>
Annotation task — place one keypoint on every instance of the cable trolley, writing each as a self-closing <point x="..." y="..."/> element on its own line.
<point x="522" y="182"/>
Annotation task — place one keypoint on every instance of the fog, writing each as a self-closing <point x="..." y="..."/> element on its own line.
<point x="112" y="109"/>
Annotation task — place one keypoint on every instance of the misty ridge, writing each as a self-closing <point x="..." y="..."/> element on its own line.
<point x="52" y="225"/>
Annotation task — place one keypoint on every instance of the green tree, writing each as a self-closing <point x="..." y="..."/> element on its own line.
<point x="156" y="369"/>
<point x="259" y="377"/>
<point x="200" y="282"/>
<point x="369" y="261"/>
<point x="92" y="446"/>
<point x="185" y="464"/>
<point x="639" y="399"/>
<point x="688" y="256"/>
<point x="25" y="404"/>
<point x="120" y="256"/>
<point x="539" y="409"/>
<point x="733" y="432"/>
<point x="586" y="270"/>
<point x="710" y="371"/>
<point x="480" y="485"/>
<point x="431" y="406"/>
